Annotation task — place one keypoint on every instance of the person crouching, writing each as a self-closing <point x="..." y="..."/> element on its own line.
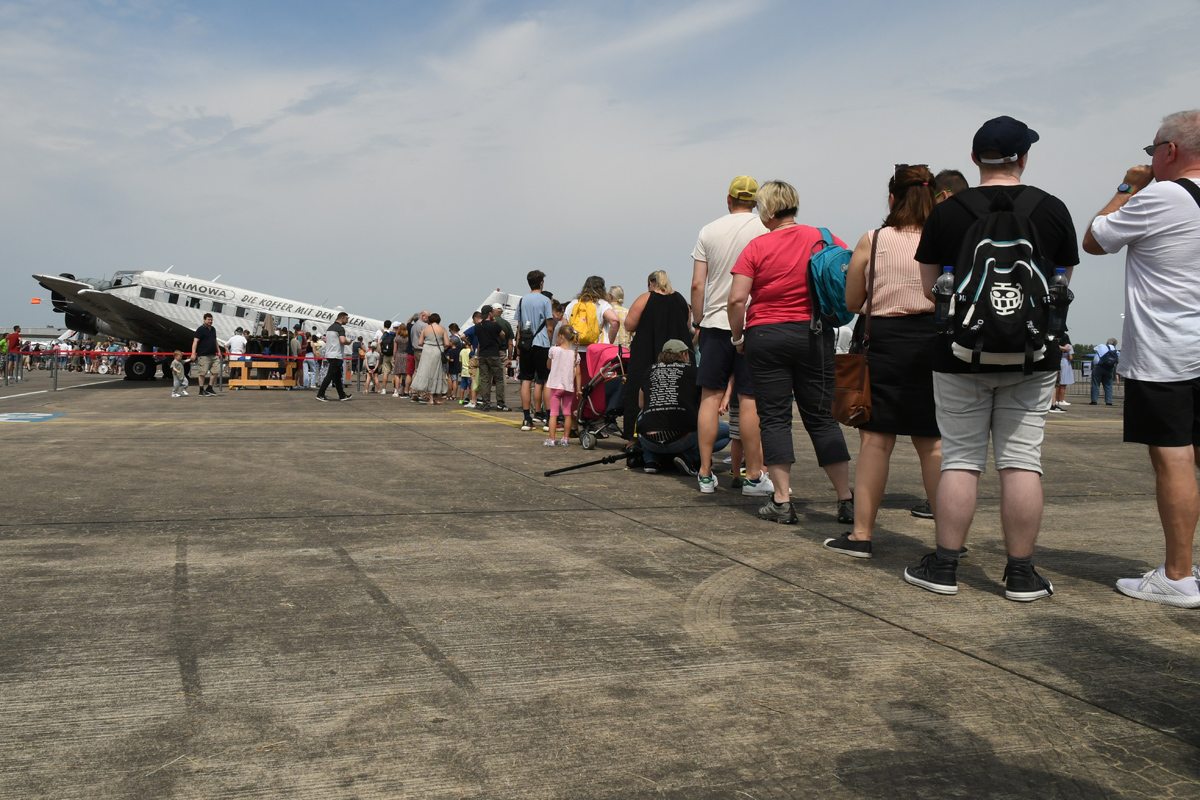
<point x="670" y="402"/>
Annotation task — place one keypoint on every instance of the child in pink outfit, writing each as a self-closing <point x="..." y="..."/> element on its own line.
<point x="563" y="384"/>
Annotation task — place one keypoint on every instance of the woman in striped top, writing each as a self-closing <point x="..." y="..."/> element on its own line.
<point x="901" y="352"/>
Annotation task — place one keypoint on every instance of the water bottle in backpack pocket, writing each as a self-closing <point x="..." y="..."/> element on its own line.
<point x="1001" y="301"/>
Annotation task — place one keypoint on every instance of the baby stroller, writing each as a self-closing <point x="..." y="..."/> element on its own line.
<point x="602" y="375"/>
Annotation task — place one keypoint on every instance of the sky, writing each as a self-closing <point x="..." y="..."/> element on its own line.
<point x="396" y="156"/>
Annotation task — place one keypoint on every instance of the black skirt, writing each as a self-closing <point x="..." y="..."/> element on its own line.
<point x="900" y="360"/>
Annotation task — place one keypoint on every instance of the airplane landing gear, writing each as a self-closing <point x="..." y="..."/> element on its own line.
<point x="139" y="368"/>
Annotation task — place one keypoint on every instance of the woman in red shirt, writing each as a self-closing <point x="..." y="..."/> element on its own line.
<point x="786" y="357"/>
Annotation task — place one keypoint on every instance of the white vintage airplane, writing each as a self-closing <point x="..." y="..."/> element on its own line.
<point x="162" y="310"/>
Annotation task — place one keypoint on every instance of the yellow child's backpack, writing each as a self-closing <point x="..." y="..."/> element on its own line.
<point x="585" y="322"/>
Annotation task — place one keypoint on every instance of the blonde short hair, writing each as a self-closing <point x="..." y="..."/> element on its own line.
<point x="777" y="199"/>
<point x="616" y="295"/>
<point x="659" y="279"/>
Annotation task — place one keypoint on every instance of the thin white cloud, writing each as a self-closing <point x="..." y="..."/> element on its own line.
<point x="564" y="140"/>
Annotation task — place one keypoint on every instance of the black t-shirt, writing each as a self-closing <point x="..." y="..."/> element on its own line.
<point x="672" y="403"/>
<point x="489" y="333"/>
<point x="206" y="340"/>
<point x="942" y="239"/>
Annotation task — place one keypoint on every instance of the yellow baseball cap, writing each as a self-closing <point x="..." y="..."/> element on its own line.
<point x="743" y="188"/>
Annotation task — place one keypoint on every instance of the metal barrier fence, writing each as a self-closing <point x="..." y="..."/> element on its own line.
<point x="1082" y="368"/>
<point x="15" y="366"/>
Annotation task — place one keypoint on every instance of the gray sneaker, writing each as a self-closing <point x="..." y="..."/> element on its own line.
<point x="783" y="513"/>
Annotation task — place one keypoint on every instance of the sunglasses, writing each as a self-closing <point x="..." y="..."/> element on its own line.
<point x="1150" y="148"/>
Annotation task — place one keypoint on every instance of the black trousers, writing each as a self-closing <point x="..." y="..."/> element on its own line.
<point x="788" y="360"/>
<point x="333" y="374"/>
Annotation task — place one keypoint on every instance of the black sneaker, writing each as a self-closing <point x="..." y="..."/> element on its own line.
<point x="323" y="398"/>
<point x="846" y="511"/>
<point x="1024" y="585"/>
<point x="502" y="408"/>
<point x="483" y="407"/>
<point x="922" y="510"/>
<point x="347" y="397"/>
<point x="934" y="574"/>
<point x="849" y="547"/>
<point x="783" y="513"/>
<point x="686" y="467"/>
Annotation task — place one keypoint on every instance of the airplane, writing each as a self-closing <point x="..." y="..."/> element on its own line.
<point x="162" y="310"/>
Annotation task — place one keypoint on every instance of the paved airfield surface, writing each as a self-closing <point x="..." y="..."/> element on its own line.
<point x="257" y="595"/>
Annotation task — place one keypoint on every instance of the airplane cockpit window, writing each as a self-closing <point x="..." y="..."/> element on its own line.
<point x="172" y="297"/>
<point x="147" y="293"/>
<point x="218" y="308"/>
<point x="193" y="302"/>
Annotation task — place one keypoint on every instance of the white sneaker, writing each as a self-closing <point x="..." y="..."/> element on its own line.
<point x="1156" y="587"/>
<point x="469" y="405"/>
<point x="760" y="488"/>
<point x="549" y="443"/>
<point x="174" y="394"/>
<point x="1063" y="403"/>
<point x="184" y="393"/>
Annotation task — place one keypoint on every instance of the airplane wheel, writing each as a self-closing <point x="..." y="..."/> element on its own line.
<point x="587" y="439"/>
<point x="139" y="368"/>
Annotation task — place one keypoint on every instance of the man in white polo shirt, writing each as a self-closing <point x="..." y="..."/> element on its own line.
<point x="1159" y="225"/>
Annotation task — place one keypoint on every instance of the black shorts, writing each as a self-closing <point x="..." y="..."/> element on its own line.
<point x="719" y="359"/>
<point x="534" y="365"/>
<point x="1162" y="414"/>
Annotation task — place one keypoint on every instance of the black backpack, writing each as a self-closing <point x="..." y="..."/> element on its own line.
<point x="1001" y="301"/>
<point x="525" y="336"/>
<point x="387" y="345"/>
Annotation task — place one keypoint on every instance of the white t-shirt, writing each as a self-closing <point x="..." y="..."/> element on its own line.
<point x="237" y="344"/>
<point x="602" y="306"/>
<point x="719" y="245"/>
<point x="1161" y="227"/>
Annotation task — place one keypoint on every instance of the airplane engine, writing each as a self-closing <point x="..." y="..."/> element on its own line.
<point x="60" y="303"/>
<point x="81" y="321"/>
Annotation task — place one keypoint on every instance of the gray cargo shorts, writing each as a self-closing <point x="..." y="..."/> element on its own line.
<point x="1008" y="407"/>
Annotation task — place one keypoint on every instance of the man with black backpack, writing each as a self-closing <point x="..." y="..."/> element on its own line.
<point x="533" y="347"/>
<point x="992" y="376"/>
<point x="1104" y="366"/>
<point x="387" y="352"/>
<point x="1159" y="224"/>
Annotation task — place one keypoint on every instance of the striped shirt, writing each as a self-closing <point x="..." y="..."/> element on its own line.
<point x="898" y="288"/>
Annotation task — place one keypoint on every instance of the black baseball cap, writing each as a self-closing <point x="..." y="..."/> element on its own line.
<point x="1005" y="135"/>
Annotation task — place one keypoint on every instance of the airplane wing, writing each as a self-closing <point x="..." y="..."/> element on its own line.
<point x="136" y="322"/>
<point x="67" y="287"/>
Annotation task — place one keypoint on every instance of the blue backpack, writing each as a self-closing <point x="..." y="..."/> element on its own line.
<point x="827" y="283"/>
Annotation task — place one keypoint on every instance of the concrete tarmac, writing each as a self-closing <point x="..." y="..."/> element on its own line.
<point x="258" y="595"/>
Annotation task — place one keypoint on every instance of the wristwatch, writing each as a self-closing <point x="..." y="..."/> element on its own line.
<point x="1124" y="188"/>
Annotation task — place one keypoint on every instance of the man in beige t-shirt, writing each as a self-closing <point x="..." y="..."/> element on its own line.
<point x="717" y="250"/>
